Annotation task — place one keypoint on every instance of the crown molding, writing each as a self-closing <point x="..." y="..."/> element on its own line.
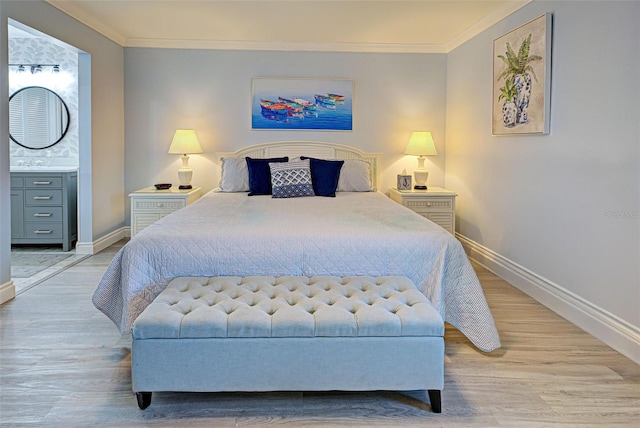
<point x="283" y="46"/>
<point x="485" y="23"/>
<point x="99" y="26"/>
<point x="81" y="15"/>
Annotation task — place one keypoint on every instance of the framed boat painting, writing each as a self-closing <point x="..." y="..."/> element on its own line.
<point x="302" y="104"/>
<point x="522" y="79"/>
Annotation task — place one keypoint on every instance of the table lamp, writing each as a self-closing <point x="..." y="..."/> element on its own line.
<point x="421" y="145"/>
<point x="185" y="142"/>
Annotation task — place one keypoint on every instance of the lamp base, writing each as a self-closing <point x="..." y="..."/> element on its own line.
<point x="184" y="174"/>
<point x="421" y="176"/>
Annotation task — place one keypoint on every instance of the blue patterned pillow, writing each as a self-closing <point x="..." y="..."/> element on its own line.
<point x="291" y="179"/>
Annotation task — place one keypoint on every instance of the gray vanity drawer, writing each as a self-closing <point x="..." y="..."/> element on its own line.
<point x="43" y="182"/>
<point x="43" y="214"/>
<point x="17" y="182"/>
<point x="44" y="207"/>
<point x="43" y="197"/>
<point x="43" y="230"/>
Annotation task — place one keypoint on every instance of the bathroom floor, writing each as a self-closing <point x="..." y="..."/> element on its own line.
<point x="32" y="264"/>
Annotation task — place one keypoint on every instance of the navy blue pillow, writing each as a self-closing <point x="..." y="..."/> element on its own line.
<point x="260" y="175"/>
<point x="324" y="175"/>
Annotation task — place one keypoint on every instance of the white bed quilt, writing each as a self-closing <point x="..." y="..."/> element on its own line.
<point x="232" y="234"/>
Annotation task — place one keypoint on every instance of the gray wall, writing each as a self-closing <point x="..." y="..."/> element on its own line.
<point x="566" y="205"/>
<point x="210" y="91"/>
<point x="7" y="290"/>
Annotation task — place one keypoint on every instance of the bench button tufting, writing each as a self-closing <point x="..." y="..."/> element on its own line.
<point x="364" y="299"/>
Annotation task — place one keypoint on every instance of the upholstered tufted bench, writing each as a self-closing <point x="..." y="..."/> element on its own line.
<point x="286" y="334"/>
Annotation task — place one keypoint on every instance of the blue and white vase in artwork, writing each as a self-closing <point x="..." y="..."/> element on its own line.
<point x="522" y="83"/>
<point x="509" y="114"/>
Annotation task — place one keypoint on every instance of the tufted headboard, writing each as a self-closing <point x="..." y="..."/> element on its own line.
<point x="316" y="149"/>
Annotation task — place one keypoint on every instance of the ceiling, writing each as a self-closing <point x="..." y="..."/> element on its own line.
<point x="311" y="25"/>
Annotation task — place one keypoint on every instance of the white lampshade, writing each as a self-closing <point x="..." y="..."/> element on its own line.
<point x="421" y="144"/>
<point x="185" y="141"/>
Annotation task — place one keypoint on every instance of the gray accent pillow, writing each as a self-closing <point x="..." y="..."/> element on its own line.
<point x="234" y="176"/>
<point x="355" y="176"/>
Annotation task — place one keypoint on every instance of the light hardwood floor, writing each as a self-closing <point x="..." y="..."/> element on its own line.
<point x="63" y="363"/>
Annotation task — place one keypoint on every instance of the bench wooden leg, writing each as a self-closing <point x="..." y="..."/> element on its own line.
<point x="144" y="399"/>
<point x="436" y="400"/>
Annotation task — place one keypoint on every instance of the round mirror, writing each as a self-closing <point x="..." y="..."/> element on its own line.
<point x="38" y="118"/>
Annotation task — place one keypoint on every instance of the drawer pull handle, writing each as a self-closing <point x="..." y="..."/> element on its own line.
<point x="428" y="204"/>
<point x="42" y="182"/>
<point x="42" y="198"/>
<point x="159" y="205"/>
<point x="42" y="232"/>
<point x="42" y="214"/>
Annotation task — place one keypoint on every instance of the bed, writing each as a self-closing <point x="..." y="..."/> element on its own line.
<point x="354" y="233"/>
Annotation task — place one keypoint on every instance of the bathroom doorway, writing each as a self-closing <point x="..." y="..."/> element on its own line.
<point x="63" y="73"/>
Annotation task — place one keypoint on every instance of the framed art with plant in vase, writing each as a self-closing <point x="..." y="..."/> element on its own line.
<point x="522" y="79"/>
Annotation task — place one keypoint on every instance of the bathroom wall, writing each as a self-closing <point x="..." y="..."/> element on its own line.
<point x="64" y="83"/>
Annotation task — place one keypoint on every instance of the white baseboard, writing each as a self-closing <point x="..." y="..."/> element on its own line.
<point x="7" y="292"/>
<point x="619" y="334"/>
<point x="104" y="242"/>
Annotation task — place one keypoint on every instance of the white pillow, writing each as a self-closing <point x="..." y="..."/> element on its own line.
<point x="235" y="175"/>
<point x="355" y="176"/>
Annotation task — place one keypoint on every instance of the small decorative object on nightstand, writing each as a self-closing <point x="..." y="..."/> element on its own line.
<point x="404" y="181"/>
<point x="149" y="205"/>
<point x="436" y="204"/>
<point x="421" y="145"/>
<point x="185" y="142"/>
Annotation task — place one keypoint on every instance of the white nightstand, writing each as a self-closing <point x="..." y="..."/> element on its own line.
<point x="149" y="205"/>
<point x="435" y="203"/>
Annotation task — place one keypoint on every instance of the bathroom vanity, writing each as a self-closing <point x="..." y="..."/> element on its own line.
<point x="44" y="206"/>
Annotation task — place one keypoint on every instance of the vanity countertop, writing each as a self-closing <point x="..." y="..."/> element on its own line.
<point x="45" y="169"/>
